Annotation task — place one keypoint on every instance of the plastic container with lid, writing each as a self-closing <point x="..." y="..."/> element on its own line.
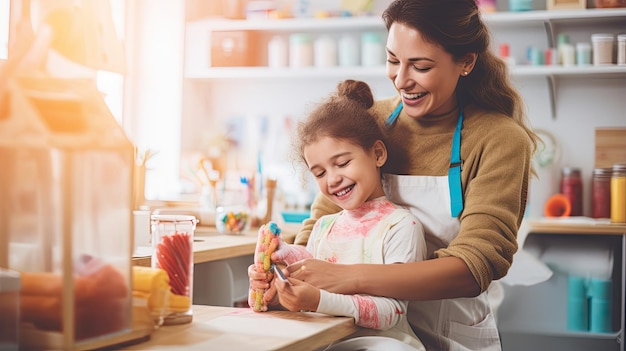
<point x="172" y="244"/>
<point x="372" y="50"/>
<point x="348" y="50"/>
<point x="583" y="54"/>
<point x="602" y="48"/>
<point x="300" y="50"/>
<point x="621" y="49"/>
<point x="278" y="52"/>
<point x="325" y="51"/>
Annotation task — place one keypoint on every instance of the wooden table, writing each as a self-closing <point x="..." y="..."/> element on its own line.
<point x="209" y="245"/>
<point x="229" y="328"/>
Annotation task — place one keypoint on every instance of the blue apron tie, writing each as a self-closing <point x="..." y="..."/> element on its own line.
<point x="454" y="172"/>
<point x="393" y="117"/>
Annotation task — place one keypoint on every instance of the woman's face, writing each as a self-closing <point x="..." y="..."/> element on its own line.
<point x="424" y="74"/>
<point x="346" y="173"/>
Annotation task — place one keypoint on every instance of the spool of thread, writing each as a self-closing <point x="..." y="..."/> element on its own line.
<point x="577" y="304"/>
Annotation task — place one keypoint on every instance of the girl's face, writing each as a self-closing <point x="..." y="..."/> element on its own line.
<point x="423" y="73"/>
<point x="346" y="173"/>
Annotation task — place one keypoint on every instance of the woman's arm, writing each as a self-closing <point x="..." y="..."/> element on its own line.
<point x="439" y="278"/>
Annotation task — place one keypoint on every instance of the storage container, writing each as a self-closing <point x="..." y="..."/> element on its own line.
<point x="234" y="48"/>
<point x="66" y="214"/>
<point x="602" y="48"/>
<point x="300" y="50"/>
<point x="172" y="245"/>
<point x="572" y="188"/>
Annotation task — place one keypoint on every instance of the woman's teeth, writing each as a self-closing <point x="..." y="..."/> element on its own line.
<point x="413" y="96"/>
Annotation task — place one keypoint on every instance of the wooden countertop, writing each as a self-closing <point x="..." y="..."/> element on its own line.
<point x="230" y="328"/>
<point x="577" y="225"/>
<point x="209" y="245"/>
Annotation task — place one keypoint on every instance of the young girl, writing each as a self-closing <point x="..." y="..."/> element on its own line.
<point x="342" y="146"/>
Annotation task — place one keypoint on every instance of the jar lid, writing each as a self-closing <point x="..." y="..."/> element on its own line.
<point x="173" y="218"/>
<point x="602" y="37"/>
<point x="570" y="171"/>
<point x="619" y="167"/>
<point x="371" y="37"/>
<point x="607" y="172"/>
<point x="300" y="38"/>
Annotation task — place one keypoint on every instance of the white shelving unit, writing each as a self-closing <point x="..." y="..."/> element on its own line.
<point x="197" y="65"/>
<point x="203" y="28"/>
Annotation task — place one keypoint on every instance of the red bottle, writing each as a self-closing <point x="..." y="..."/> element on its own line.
<point x="572" y="188"/>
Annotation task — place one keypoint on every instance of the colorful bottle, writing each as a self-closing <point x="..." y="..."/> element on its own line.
<point x="618" y="193"/>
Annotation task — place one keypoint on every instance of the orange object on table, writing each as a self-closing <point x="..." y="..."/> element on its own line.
<point x="558" y="205"/>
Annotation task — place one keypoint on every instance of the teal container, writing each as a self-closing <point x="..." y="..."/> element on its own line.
<point x="520" y="5"/>
<point x="577" y="304"/>
<point x="600" y="317"/>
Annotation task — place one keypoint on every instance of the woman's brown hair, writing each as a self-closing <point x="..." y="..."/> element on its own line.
<point x="457" y="27"/>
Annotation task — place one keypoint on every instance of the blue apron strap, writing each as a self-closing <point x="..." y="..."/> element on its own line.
<point x="391" y="120"/>
<point x="454" y="173"/>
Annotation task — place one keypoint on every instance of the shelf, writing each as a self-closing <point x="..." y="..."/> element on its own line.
<point x="555" y="16"/>
<point x="379" y="72"/>
<point x="290" y="24"/>
<point x="376" y="22"/>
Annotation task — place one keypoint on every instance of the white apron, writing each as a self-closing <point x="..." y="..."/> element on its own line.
<point x="369" y="249"/>
<point x="452" y="324"/>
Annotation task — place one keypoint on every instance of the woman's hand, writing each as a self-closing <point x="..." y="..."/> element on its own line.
<point x="296" y="295"/>
<point x="324" y="275"/>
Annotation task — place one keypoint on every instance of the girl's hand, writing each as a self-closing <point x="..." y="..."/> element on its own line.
<point x="261" y="280"/>
<point x="296" y="295"/>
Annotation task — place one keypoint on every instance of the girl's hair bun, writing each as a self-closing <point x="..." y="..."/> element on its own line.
<point x="357" y="91"/>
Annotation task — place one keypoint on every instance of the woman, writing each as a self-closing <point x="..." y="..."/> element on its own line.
<point x="460" y="158"/>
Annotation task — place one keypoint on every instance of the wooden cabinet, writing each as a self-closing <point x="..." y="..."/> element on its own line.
<point x="536" y="317"/>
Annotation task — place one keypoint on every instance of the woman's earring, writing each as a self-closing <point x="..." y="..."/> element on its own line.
<point x="465" y="73"/>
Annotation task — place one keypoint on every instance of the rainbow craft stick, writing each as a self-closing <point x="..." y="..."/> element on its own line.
<point x="266" y="245"/>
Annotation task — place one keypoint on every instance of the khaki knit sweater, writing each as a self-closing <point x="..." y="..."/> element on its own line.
<point x="496" y="154"/>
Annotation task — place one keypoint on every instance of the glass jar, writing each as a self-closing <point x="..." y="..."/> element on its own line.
<point x="618" y="193"/>
<point x="172" y="243"/>
<point x="601" y="193"/>
<point x="233" y="213"/>
<point x="572" y="188"/>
